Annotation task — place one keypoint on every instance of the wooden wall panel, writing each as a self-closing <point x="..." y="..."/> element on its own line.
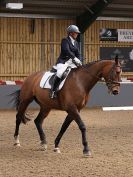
<point x="53" y="31"/>
<point x="24" y="49"/>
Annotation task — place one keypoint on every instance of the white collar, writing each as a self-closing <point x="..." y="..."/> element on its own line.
<point x="72" y="40"/>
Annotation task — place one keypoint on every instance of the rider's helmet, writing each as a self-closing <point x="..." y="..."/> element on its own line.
<point x="73" y="28"/>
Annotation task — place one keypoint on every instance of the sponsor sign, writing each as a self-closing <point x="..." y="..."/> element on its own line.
<point x="125" y="35"/>
<point x="119" y="35"/>
<point x="108" y="34"/>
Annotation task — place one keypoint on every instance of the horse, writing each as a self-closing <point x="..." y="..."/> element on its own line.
<point x="71" y="98"/>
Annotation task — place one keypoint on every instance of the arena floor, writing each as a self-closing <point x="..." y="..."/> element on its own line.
<point x="110" y="136"/>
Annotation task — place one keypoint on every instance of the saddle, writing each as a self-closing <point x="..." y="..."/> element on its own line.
<point x="48" y="78"/>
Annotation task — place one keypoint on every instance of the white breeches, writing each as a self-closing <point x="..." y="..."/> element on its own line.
<point x="62" y="67"/>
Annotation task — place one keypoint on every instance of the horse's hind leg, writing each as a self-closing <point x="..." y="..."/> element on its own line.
<point x="64" y="127"/>
<point x="38" y="122"/>
<point x="20" y="117"/>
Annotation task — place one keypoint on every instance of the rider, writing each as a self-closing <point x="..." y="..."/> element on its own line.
<point x="69" y="56"/>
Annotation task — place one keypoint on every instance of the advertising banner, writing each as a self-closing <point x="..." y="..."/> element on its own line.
<point x="125" y="35"/>
<point x="107" y="34"/>
<point x="119" y="35"/>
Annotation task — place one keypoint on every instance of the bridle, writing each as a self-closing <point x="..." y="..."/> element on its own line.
<point x="110" y="81"/>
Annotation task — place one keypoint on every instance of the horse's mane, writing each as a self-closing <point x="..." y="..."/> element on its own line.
<point x="90" y="64"/>
<point x="94" y="62"/>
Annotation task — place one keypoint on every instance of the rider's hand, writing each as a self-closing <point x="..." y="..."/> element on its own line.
<point x="77" y="61"/>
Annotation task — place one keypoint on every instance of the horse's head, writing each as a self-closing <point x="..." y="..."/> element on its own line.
<point x="112" y="75"/>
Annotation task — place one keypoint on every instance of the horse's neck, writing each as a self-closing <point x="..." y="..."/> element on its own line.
<point x="91" y="75"/>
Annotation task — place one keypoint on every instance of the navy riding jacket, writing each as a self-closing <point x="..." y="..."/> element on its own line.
<point x="68" y="50"/>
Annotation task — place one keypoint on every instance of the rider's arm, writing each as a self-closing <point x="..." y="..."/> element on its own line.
<point x="66" y="50"/>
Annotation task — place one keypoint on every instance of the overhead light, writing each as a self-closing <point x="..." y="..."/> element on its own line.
<point x="14" y="5"/>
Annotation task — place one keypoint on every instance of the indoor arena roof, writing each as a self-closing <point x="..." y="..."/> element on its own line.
<point x="68" y="8"/>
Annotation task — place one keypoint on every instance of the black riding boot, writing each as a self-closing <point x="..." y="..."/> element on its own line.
<point x="54" y="87"/>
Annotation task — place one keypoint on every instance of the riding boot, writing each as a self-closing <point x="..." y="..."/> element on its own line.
<point x="54" y="87"/>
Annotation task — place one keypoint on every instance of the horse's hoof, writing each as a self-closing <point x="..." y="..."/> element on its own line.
<point x="57" y="150"/>
<point x="87" y="154"/>
<point x="17" y="144"/>
<point x="44" y="146"/>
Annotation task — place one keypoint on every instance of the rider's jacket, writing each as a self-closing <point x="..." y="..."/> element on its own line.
<point x="68" y="50"/>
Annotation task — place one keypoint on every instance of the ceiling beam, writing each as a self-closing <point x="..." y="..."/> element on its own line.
<point x="90" y="15"/>
<point x="52" y="3"/>
<point x="120" y="13"/>
<point x="45" y="10"/>
<point x="24" y="15"/>
<point x="123" y="2"/>
<point x="120" y="6"/>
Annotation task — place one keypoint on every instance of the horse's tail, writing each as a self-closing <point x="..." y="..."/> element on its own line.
<point x="16" y="103"/>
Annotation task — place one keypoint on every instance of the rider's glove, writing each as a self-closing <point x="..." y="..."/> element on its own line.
<point x="77" y="62"/>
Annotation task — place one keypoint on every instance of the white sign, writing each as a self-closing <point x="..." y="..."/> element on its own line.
<point x="125" y="35"/>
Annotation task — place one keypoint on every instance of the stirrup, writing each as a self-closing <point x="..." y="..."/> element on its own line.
<point x="53" y="94"/>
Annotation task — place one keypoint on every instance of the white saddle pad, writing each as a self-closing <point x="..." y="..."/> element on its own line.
<point x="44" y="83"/>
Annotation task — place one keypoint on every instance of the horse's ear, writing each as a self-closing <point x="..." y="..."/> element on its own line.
<point x="116" y="59"/>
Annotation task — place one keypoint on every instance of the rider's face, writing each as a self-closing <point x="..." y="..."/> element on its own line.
<point x="74" y="35"/>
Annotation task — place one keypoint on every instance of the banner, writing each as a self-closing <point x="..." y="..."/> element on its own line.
<point x="107" y="34"/>
<point x="125" y="35"/>
<point x="125" y="55"/>
<point x="120" y="35"/>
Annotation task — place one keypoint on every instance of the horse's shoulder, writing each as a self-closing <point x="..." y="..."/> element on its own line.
<point x="74" y="72"/>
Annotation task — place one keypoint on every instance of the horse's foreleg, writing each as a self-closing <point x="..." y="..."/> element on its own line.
<point x="82" y="128"/>
<point x="38" y="122"/>
<point x="65" y="125"/>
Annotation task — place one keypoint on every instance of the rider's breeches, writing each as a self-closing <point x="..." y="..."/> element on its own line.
<point x="62" y="67"/>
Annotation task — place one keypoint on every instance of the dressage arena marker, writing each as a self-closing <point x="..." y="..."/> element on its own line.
<point x="123" y="108"/>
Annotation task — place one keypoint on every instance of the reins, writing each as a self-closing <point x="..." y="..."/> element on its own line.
<point x="110" y="83"/>
<point x="96" y="76"/>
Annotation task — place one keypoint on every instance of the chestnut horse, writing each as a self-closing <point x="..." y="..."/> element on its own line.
<point x="71" y="98"/>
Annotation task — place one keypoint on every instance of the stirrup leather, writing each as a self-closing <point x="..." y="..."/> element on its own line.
<point x="53" y="94"/>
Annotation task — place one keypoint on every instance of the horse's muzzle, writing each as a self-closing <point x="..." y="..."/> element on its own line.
<point x="115" y="92"/>
<point x="114" y="88"/>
